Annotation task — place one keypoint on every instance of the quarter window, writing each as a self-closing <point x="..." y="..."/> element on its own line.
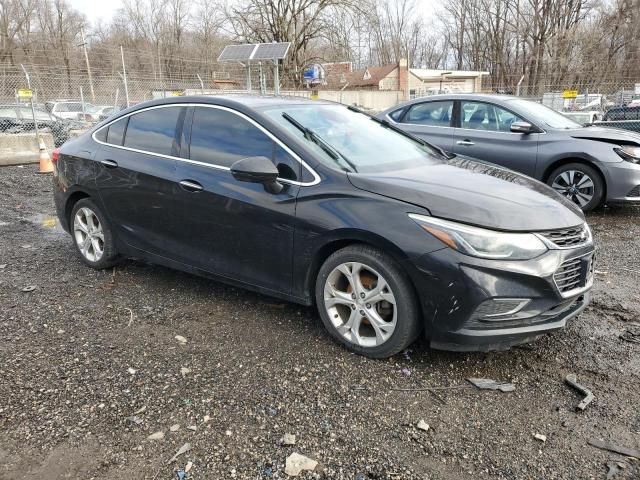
<point x="436" y="114"/>
<point x="115" y="132"/>
<point x="219" y="137"/>
<point x="153" y="130"/>
<point x="484" y="116"/>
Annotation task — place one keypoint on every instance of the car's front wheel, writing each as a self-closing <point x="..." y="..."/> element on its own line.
<point x="366" y="302"/>
<point x="92" y="235"/>
<point x="580" y="183"/>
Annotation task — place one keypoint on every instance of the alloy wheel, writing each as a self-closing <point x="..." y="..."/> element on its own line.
<point x="360" y="304"/>
<point x="88" y="234"/>
<point x="576" y="185"/>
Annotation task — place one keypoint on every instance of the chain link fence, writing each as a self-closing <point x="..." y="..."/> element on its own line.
<point x="67" y="102"/>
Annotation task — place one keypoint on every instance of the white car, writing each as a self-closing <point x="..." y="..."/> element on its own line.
<point x="69" y="109"/>
<point x="584" y="118"/>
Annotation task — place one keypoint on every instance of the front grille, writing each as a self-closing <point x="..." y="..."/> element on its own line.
<point x="574" y="273"/>
<point x="567" y="237"/>
<point x="635" y="192"/>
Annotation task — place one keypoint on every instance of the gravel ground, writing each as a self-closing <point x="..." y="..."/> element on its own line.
<point x="86" y="351"/>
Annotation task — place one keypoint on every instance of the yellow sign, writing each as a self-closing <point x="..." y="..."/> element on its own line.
<point x="176" y="93"/>
<point x="25" y="93"/>
<point x="570" y="94"/>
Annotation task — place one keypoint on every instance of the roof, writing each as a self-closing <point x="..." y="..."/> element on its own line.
<point x="498" y="99"/>
<point x="424" y="73"/>
<point x="366" y="77"/>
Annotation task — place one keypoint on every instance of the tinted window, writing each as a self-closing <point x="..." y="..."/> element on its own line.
<point x="397" y="114"/>
<point x="101" y="134"/>
<point x="115" y="132"/>
<point x="219" y="137"/>
<point x="430" y="113"/>
<point x="484" y="116"/>
<point x="153" y="130"/>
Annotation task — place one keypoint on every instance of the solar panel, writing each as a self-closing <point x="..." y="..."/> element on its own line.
<point x="252" y="51"/>
<point x="271" y="51"/>
<point x="237" y="52"/>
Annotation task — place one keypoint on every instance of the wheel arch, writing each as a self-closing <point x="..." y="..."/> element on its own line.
<point x="566" y="161"/>
<point x="74" y="198"/>
<point x="340" y="240"/>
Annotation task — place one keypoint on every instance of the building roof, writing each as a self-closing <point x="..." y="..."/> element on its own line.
<point x="428" y="74"/>
<point x="366" y="77"/>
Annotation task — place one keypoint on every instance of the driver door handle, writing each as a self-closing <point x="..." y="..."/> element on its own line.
<point x="466" y="143"/>
<point x="191" y="186"/>
<point x="109" y="163"/>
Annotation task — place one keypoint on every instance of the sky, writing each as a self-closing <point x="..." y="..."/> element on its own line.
<point x="102" y="11"/>
<point x="97" y="10"/>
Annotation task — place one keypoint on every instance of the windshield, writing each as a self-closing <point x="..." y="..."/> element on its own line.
<point x="542" y="115"/>
<point x="581" y="118"/>
<point x="365" y="145"/>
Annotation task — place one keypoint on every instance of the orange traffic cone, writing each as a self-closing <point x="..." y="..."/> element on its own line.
<point x="46" y="166"/>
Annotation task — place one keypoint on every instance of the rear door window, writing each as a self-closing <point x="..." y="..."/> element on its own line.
<point x="154" y="130"/>
<point x="220" y="137"/>
<point x="437" y="114"/>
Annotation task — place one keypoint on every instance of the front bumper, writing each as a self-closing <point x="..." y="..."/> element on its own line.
<point x="623" y="181"/>
<point x="453" y="287"/>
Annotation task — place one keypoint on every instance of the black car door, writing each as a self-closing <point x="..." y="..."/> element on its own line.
<point x="232" y="228"/>
<point x="137" y="176"/>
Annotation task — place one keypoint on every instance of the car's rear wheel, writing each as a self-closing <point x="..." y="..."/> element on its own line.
<point x="580" y="183"/>
<point x="92" y="235"/>
<point x="366" y="302"/>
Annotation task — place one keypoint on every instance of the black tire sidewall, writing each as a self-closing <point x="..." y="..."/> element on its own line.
<point x="110" y="255"/>
<point x="598" y="183"/>
<point x="408" y="319"/>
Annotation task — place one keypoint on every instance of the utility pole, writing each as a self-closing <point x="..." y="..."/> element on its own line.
<point x="124" y="76"/>
<point x="86" y="58"/>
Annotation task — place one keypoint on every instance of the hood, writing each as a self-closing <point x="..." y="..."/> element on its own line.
<point x="606" y="134"/>
<point x="477" y="194"/>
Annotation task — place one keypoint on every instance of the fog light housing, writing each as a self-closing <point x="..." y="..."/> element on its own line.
<point x="499" y="309"/>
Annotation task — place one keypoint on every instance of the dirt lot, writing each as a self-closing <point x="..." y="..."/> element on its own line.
<point x="85" y="350"/>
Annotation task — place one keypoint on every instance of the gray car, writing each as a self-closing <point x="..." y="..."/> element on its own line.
<point x="589" y="165"/>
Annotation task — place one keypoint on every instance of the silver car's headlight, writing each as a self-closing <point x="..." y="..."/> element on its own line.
<point x="629" y="153"/>
<point x="480" y="242"/>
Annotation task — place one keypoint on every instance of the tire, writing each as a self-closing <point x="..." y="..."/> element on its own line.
<point x="580" y="183"/>
<point x="384" y="327"/>
<point x="99" y="250"/>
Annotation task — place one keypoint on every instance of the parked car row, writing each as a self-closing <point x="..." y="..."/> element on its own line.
<point x="390" y="236"/>
<point x="77" y="110"/>
<point x="18" y="118"/>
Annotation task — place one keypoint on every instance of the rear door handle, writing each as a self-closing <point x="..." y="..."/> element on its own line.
<point x="109" y="163"/>
<point x="466" y="143"/>
<point x="190" y="186"/>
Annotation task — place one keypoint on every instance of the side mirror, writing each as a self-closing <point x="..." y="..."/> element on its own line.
<point x="522" y="127"/>
<point x="257" y="170"/>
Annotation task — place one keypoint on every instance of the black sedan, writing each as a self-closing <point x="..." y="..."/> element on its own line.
<point x="318" y="203"/>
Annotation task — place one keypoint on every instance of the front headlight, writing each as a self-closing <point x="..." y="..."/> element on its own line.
<point x="480" y="242"/>
<point x="629" y="153"/>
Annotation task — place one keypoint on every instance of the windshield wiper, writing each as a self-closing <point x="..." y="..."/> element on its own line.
<point x="315" y="138"/>
<point x="391" y="126"/>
